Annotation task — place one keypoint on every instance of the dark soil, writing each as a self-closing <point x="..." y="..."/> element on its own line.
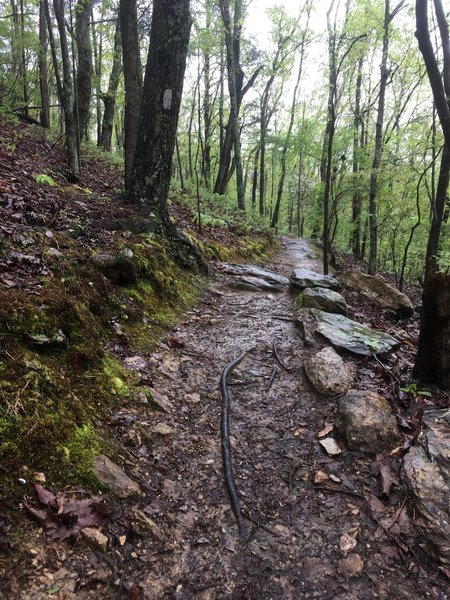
<point x="317" y="526"/>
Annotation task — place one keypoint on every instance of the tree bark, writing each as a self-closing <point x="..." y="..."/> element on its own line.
<point x="109" y="99"/>
<point x="43" y="67"/>
<point x="356" y="199"/>
<point x="132" y="70"/>
<point x="235" y="78"/>
<point x="84" y="70"/>
<point x="433" y="358"/>
<point x="373" y="221"/>
<point x="71" y="141"/>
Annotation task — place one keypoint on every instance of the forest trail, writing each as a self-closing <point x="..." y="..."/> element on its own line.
<point x="316" y="527"/>
<point x="305" y="539"/>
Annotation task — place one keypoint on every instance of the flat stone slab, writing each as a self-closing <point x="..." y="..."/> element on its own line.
<point x="323" y="299"/>
<point x="254" y="284"/>
<point x="376" y="289"/>
<point x="305" y="278"/>
<point x="255" y="272"/>
<point x="349" y="335"/>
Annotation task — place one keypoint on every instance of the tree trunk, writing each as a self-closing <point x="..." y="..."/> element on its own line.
<point x="84" y="70"/>
<point x="71" y="140"/>
<point x="373" y="222"/>
<point x="109" y="99"/>
<point x="356" y="200"/>
<point x="158" y="120"/>
<point x="235" y="78"/>
<point x="434" y="236"/>
<point x="43" y="68"/>
<point x="132" y="71"/>
<point x="433" y="358"/>
<point x="161" y="100"/>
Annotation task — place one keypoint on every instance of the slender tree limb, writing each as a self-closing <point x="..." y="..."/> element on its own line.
<point x="226" y="451"/>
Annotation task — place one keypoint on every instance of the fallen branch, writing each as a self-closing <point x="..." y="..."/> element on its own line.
<point x="278" y="359"/>
<point x="225" y="441"/>
<point x="272" y="377"/>
<point x="386" y="369"/>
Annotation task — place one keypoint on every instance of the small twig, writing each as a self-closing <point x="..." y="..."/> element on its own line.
<point x="386" y="369"/>
<point x="260" y="525"/>
<point x="272" y="377"/>
<point x="277" y="356"/>
<point x="284" y="318"/>
<point x="226" y="451"/>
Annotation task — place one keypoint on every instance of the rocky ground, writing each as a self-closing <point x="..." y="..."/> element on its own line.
<point x="321" y="521"/>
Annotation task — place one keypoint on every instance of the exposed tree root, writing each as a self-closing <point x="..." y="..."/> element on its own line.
<point x="226" y="451"/>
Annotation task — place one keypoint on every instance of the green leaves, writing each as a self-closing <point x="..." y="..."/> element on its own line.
<point x="43" y="179"/>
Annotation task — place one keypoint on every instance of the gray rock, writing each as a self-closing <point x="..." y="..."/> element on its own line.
<point x="120" y="269"/>
<point x="328" y="373"/>
<point x="427" y="474"/>
<point x="352" y="336"/>
<point x="304" y="278"/>
<point x="95" y="538"/>
<point x="254" y="271"/>
<point x="114" y="478"/>
<point x="254" y="284"/>
<point x="378" y="291"/>
<point x="323" y="299"/>
<point x="365" y="420"/>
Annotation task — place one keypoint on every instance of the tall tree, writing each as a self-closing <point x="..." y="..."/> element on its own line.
<point x="132" y="71"/>
<point x="235" y="79"/>
<point x="109" y="99"/>
<point x="43" y="68"/>
<point x="433" y="358"/>
<point x="71" y="141"/>
<point x="158" y="120"/>
<point x="384" y="74"/>
<point x="85" y="67"/>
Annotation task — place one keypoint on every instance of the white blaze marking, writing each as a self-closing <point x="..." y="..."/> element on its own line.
<point x="167" y="100"/>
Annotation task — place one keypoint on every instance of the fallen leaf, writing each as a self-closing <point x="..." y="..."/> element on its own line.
<point x="326" y="430"/>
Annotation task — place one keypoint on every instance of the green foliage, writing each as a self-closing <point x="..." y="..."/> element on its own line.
<point x="77" y="455"/>
<point x="412" y="389"/>
<point x="43" y="179"/>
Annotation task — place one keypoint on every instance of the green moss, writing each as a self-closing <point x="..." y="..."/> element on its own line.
<point x="77" y="455"/>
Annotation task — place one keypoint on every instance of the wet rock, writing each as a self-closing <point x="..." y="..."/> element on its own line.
<point x="365" y="420"/>
<point x="352" y="336"/>
<point x="351" y="565"/>
<point x="254" y="284"/>
<point x="427" y="474"/>
<point x="144" y="525"/>
<point x="135" y="363"/>
<point x="323" y="299"/>
<point x="328" y="373"/>
<point x="114" y="478"/>
<point x="95" y="538"/>
<point x="120" y="269"/>
<point x="254" y="271"/>
<point x="330" y="446"/>
<point x="161" y="401"/>
<point x="162" y="429"/>
<point x="377" y="290"/>
<point x="304" y="278"/>
<point x="44" y="341"/>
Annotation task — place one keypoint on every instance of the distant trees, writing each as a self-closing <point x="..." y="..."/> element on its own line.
<point x="333" y="138"/>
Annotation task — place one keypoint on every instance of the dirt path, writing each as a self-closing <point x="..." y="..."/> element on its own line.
<point x="305" y="539"/>
<point x="298" y="551"/>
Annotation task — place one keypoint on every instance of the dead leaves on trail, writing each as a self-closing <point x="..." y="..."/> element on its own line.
<point x="64" y="516"/>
